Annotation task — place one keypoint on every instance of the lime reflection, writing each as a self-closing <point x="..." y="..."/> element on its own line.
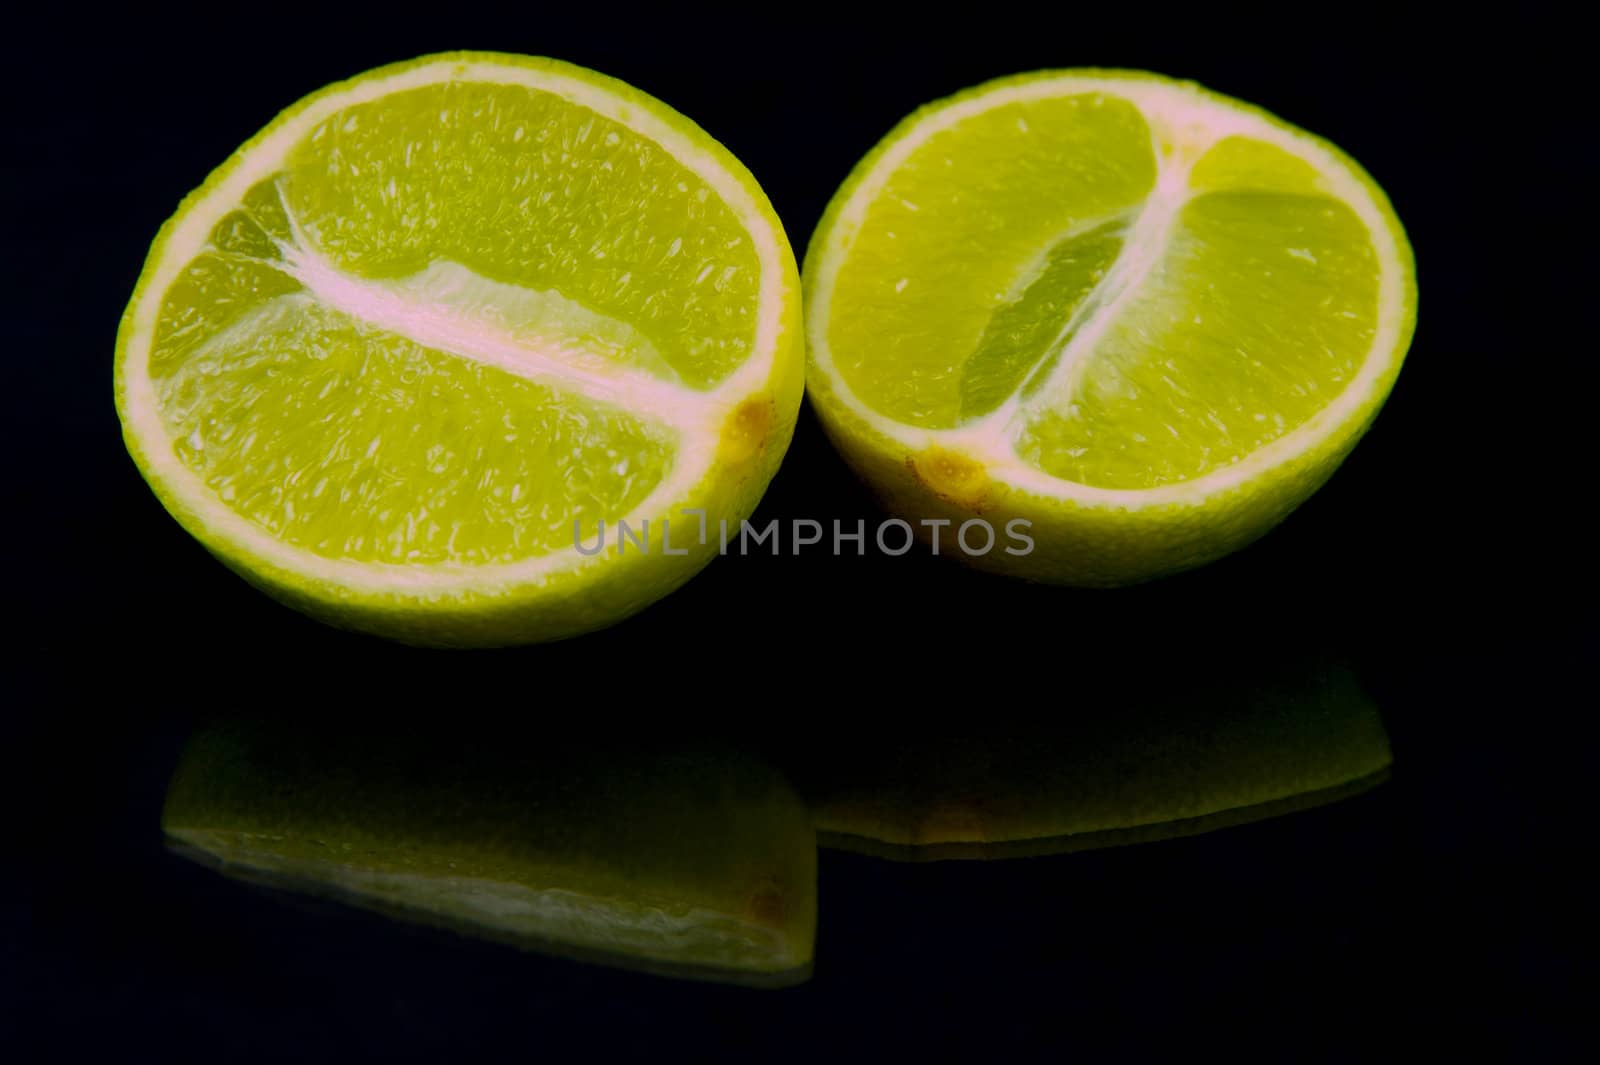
<point x="1122" y="758"/>
<point x="687" y="860"/>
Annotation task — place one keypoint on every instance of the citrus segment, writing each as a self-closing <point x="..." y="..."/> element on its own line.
<point x="1256" y="316"/>
<point x="959" y="230"/>
<point x="352" y="442"/>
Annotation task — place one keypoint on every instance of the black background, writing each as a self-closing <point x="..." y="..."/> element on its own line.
<point x="1447" y="560"/>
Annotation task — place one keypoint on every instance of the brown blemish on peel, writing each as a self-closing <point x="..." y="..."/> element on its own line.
<point x="953" y="477"/>
<point x="745" y="433"/>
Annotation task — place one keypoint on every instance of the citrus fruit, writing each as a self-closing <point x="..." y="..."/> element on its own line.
<point x="1131" y="760"/>
<point x="399" y="358"/>
<point x="1145" y="319"/>
<point x="681" y="859"/>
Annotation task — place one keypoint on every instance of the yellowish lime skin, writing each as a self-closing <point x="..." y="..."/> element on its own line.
<point x="564" y="602"/>
<point x="1078" y="543"/>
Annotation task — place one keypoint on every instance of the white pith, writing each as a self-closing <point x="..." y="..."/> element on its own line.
<point x="694" y="416"/>
<point x="1184" y="123"/>
<point x="435" y="324"/>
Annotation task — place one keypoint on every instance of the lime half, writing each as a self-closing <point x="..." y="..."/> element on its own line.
<point x="439" y="328"/>
<point x="1143" y="318"/>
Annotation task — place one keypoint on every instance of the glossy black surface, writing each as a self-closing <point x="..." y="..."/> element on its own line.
<point x="1423" y="916"/>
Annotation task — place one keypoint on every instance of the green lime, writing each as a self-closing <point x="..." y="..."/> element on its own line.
<point x="399" y="358"/>
<point x="1146" y="319"/>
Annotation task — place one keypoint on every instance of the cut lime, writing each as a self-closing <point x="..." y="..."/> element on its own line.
<point x="410" y="347"/>
<point x="1148" y="319"/>
<point x="689" y="861"/>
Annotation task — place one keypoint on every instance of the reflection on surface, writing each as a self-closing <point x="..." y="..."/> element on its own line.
<point x="694" y="861"/>
<point x="1142" y="756"/>
<point x="699" y="859"/>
